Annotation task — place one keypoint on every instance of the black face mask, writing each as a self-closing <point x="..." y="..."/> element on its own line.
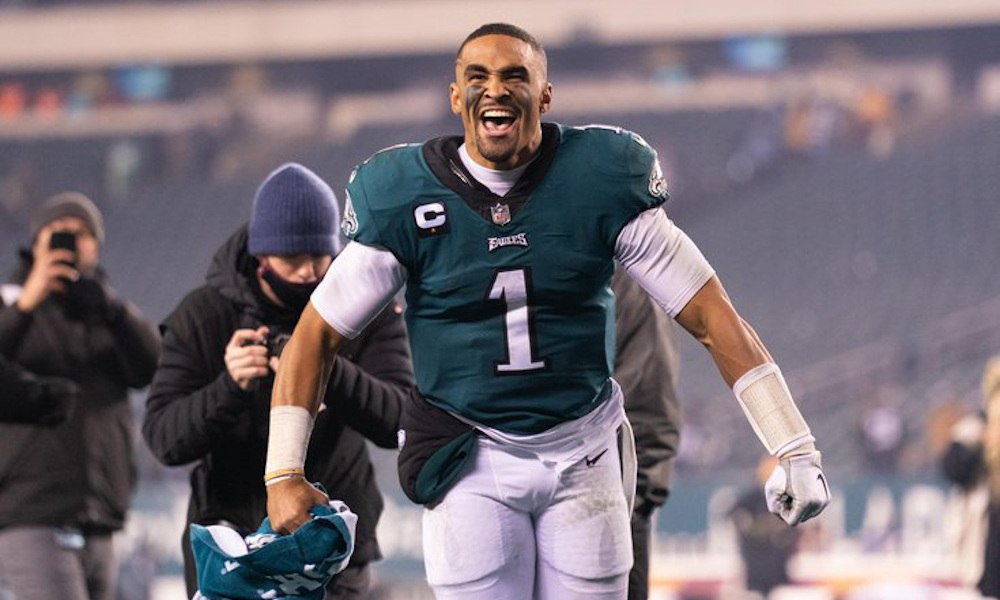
<point x="295" y="296"/>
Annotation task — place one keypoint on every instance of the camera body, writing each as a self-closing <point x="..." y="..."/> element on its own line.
<point x="274" y="342"/>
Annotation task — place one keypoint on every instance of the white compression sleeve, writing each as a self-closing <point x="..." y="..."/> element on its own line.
<point x="360" y="282"/>
<point x="287" y="443"/>
<point x="768" y="405"/>
<point x="662" y="259"/>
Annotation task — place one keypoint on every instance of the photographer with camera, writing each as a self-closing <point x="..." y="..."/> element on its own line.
<point x="210" y="399"/>
<point x="66" y="487"/>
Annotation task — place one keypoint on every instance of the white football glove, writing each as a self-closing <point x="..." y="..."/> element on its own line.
<point x="797" y="491"/>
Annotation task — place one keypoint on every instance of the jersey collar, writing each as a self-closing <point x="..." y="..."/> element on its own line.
<point x="441" y="155"/>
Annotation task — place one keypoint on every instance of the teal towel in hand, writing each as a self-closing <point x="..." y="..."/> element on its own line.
<point x="269" y="566"/>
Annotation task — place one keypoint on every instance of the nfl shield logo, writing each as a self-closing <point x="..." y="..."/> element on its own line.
<point x="500" y="214"/>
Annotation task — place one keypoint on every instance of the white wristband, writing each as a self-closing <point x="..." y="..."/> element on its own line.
<point x="287" y="443"/>
<point x="768" y="405"/>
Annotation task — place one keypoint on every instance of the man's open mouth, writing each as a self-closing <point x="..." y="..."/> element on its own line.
<point x="498" y="121"/>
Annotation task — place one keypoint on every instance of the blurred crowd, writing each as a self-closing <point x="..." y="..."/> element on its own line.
<point x="811" y="127"/>
<point x="119" y="133"/>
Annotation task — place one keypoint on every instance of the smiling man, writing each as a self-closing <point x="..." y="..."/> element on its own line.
<point x="502" y="130"/>
<point x="506" y="239"/>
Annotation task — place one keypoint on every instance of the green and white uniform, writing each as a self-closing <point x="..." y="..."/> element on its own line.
<point x="510" y="317"/>
<point x="510" y="314"/>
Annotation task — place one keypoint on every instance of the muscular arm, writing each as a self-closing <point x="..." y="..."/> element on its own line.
<point x="736" y="350"/>
<point x="671" y="268"/>
<point x="370" y="386"/>
<point x="306" y="363"/>
<point x="358" y="285"/>
<point x="710" y="317"/>
<point x="668" y="265"/>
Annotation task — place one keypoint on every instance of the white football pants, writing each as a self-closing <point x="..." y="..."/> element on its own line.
<point x="514" y="528"/>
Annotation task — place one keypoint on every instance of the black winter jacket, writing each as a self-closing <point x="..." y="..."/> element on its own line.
<point x="79" y="473"/>
<point x="196" y="412"/>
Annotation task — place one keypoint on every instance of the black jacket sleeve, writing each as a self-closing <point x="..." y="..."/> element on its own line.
<point x="193" y="401"/>
<point x="646" y="363"/>
<point x="137" y="346"/>
<point x="370" y="380"/>
<point x="20" y="392"/>
<point x="14" y="325"/>
<point x="27" y="399"/>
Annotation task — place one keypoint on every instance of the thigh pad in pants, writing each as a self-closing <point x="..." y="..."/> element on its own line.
<point x="469" y="538"/>
<point x="586" y="532"/>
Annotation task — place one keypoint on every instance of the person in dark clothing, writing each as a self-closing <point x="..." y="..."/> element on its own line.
<point x="210" y="397"/>
<point x="646" y="364"/>
<point x="972" y="462"/>
<point x="65" y="489"/>
<point x="766" y="544"/>
<point x="989" y="585"/>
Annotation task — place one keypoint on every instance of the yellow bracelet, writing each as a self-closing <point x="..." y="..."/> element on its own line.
<point x="284" y="473"/>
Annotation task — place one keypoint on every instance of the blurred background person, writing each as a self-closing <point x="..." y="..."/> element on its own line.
<point x="210" y="398"/>
<point x="972" y="462"/>
<point x="989" y="585"/>
<point x="882" y="431"/>
<point x="766" y="544"/>
<point x="646" y="364"/>
<point x="65" y="489"/>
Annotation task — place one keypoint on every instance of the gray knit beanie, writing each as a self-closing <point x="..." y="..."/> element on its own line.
<point x="294" y="212"/>
<point x="69" y="204"/>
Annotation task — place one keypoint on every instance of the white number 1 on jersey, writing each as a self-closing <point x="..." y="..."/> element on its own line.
<point x="512" y="287"/>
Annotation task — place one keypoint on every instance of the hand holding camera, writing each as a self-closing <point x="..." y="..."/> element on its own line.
<point x="53" y="268"/>
<point x="247" y="356"/>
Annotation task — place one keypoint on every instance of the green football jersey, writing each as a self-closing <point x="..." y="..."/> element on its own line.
<point x="509" y="307"/>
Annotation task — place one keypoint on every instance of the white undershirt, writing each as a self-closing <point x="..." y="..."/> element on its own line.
<point x="499" y="182"/>
<point x="662" y="259"/>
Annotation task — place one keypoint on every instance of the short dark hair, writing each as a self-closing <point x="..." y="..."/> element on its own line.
<point x="503" y="29"/>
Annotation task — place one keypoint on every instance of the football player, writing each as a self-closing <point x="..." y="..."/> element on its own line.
<point x="506" y="240"/>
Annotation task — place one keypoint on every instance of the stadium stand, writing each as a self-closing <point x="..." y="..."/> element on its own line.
<point x="875" y="246"/>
